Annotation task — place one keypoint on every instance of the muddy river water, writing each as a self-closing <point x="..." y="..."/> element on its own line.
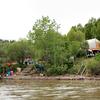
<point x="49" y="90"/>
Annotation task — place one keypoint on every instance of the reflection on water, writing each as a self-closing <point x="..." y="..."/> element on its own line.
<point x="49" y="90"/>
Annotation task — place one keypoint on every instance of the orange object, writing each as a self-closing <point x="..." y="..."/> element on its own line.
<point x="9" y="64"/>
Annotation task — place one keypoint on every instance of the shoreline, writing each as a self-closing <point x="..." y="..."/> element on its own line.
<point x="51" y="78"/>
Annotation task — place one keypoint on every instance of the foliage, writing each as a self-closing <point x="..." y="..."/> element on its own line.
<point x="93" y="67"/>
<point x="77" y="43"/>
<point x="72" y="70"/>
<point x="44" y="35"/>
<point x="57" y="70"/>
<point x="19" y="50"/>
<point x="74" y="47"/>
<point x="59" y="52"/>
<point x="97" y="57"/>
<point x="89" y="29"/>
<point x="4" y="45"/>
<point x="41" y="28"/>
<point x="76" y="35"/>
<point x="49" y="44"/>
<point x="92" y="29"/>
<point x="81" y="53"/>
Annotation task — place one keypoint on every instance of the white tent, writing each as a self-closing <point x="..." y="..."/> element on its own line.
<point x="93" y="43"/>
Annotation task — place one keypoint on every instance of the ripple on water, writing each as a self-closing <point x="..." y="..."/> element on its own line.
<point x="46" y="91"/>
<point x="91" y="90"/>
<point x="10" y="93"/>
<point x="66" y="88"/>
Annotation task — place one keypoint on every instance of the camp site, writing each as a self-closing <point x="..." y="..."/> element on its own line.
<point x="49" y="49"/>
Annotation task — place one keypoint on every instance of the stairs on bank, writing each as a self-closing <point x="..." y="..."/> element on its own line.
<point x="28" y="70"/>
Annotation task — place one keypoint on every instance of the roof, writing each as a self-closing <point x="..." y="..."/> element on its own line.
<point x="92" y="42"/>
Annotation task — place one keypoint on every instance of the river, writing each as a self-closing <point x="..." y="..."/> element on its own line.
<point x="49" y="90"/>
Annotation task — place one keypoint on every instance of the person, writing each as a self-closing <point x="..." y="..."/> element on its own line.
<point x="39" y="67"/>
<point x="11" y="72"/>
<point x="8" y="69"/>
<point x="1" y="71"/>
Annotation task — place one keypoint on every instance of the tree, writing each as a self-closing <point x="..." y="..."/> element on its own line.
<point x="90" y="29"/>
<point x="19" y="50"/>
<point x="80" y="28"/>
<point x="75" y="35"/>
<point x="44" y="36"/>
<point x="73" y="48"/>
<point x="98" y="29"/>
<point x="4" y="45"/>
<point x="41" y="28"/>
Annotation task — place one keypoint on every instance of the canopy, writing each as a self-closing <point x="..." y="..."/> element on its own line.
<point x="94" y="44"/>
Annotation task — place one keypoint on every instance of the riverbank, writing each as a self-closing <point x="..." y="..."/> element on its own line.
<point x="71" y="77"/>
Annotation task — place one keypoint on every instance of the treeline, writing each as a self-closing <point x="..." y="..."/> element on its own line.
<point x="59" y="53"/>
<point x="90" y="29"/>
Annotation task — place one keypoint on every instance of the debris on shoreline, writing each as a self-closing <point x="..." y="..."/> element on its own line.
<point x="19" y="77"/>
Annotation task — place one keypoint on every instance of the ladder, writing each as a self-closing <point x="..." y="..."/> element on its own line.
<point x="82" y="70"/>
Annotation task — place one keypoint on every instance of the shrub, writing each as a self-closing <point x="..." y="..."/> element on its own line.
<point x="57" y="70"/>
<point x="97" y="57"/>
<point x="93" y="67"/>
<point x="21" y="65"/>
<point x="95" y="70"/>
<point x="81" y="53"/>
<point x="72" y="70"/>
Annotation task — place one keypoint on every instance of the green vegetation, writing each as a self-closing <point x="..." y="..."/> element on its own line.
<point x="60" y="54"/>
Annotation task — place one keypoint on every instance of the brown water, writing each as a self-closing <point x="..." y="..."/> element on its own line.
<point x="49" y="90"/>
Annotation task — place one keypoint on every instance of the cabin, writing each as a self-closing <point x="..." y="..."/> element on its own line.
<point x="94" y="46"/>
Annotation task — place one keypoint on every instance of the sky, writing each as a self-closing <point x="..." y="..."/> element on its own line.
<point x="18" y="16"/>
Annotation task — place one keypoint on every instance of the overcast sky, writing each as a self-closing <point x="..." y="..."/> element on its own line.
<point x="18" y="16"/>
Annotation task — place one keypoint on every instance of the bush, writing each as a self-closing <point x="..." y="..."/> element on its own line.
<point x="81" y="53"/>
<point x="72" y="70"/>
<point x="95" y="70"/>
<point x="60" y="70"/>
<point x="97" y="57"/>
<point x="93" y="67"/>
<point x="22" y="66"/>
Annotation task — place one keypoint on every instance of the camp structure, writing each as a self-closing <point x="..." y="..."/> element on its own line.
<point x="94" y="45"/>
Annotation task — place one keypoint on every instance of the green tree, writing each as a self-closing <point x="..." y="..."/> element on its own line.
<point x="4" y="45"/>
<point x="73" y="48"/>
<point x="90" y="29"/>
<point x="19" y="50"/>
<point x="98" y="29"/>
<point x="44" y="36"/>
<point x="75" y="35"/>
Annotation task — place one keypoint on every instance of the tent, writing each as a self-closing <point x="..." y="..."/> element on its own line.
<point x="94" y="44"/>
